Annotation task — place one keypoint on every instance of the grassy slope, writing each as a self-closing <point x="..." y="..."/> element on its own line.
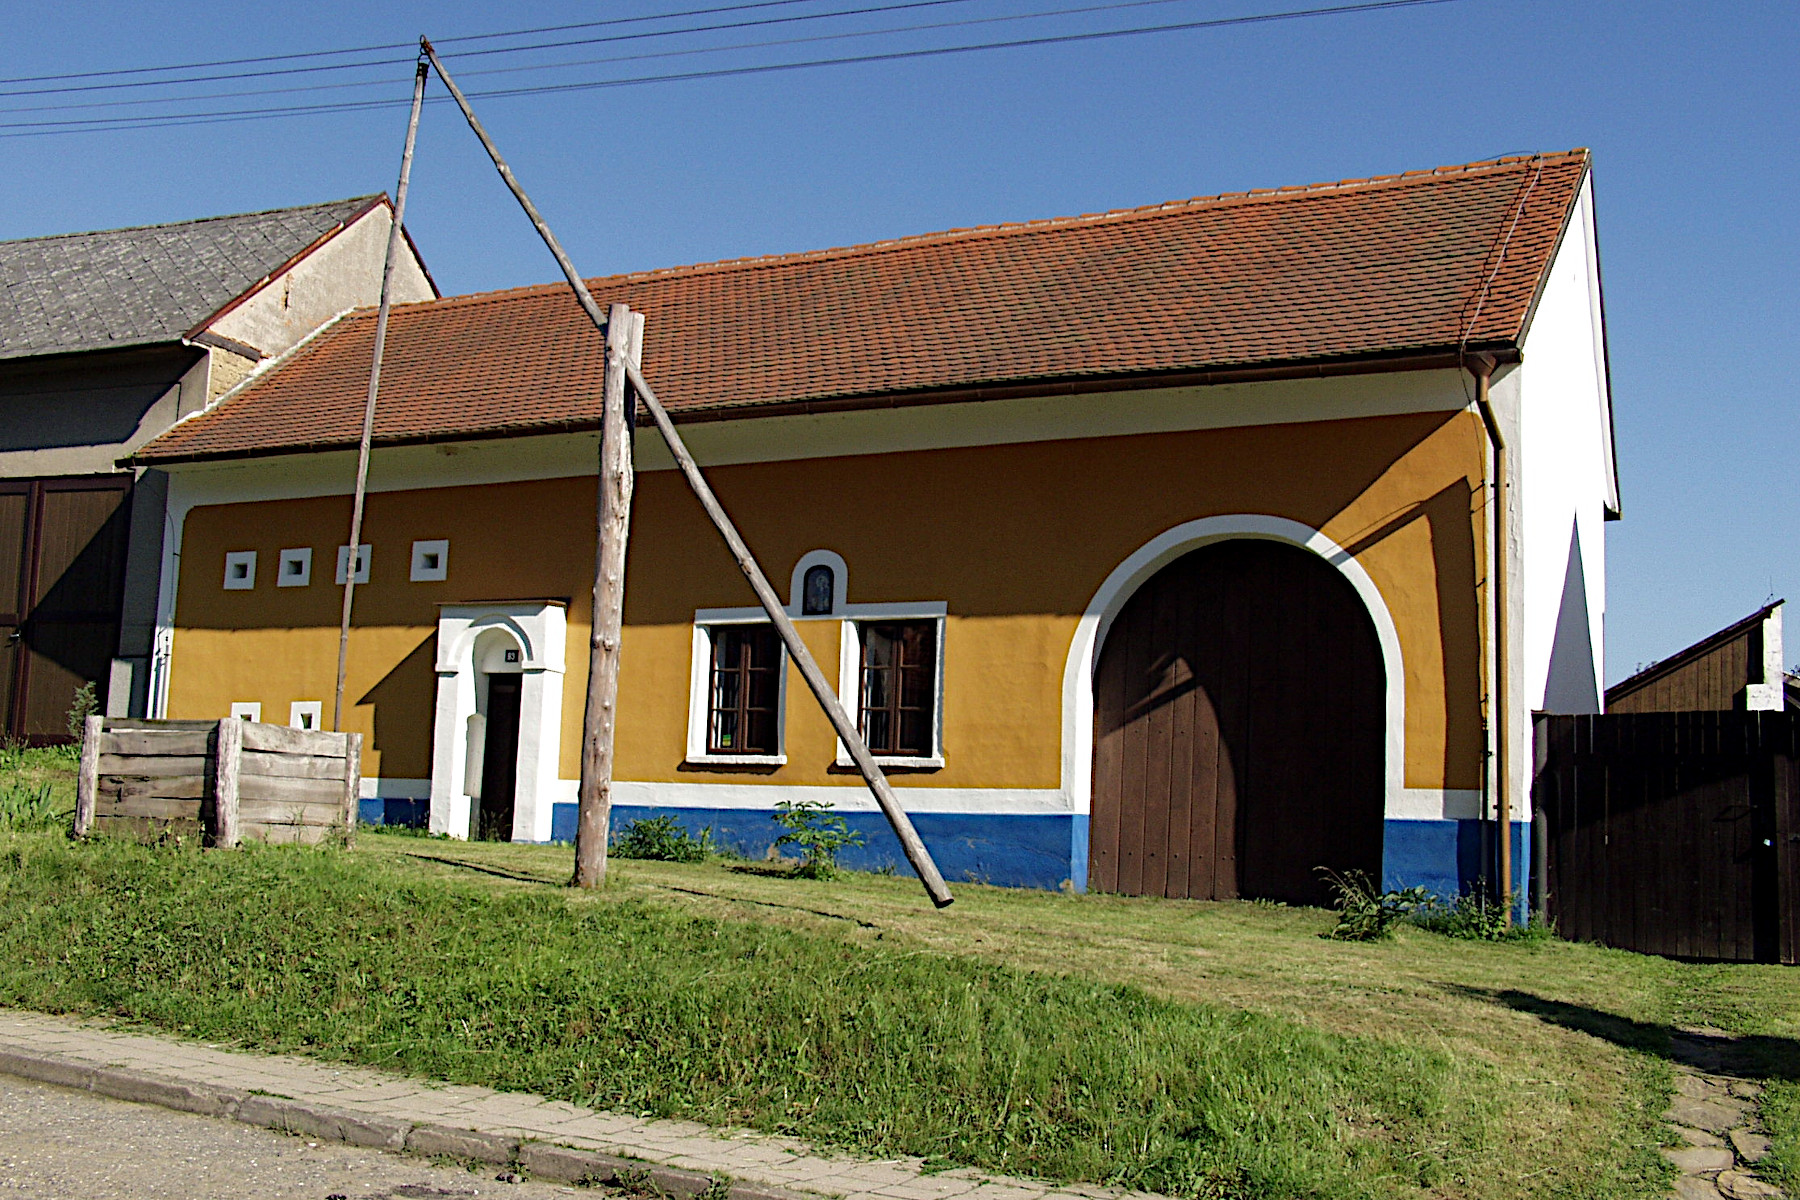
<point x="1246" y="1056"/>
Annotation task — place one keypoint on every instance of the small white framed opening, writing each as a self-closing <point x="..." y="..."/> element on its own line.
<point x="240" y="570"/>
<point x="364" y="553"/>
<point x="247" y="710"/>
<point x="294" y="568"/>
<point x="820" y="586"/>
<point x="306" y="714"/>
<point x="431" y="561"/>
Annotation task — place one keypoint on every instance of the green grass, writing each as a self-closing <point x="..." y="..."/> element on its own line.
<point x="1198" y="1049"/>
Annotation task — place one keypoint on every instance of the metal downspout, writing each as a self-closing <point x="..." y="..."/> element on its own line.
<point x="1481" y="366"/>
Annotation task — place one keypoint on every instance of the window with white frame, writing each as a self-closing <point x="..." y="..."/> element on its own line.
<point x="736" y="703"/>
<point x="431" y="561"/>
<point x="247" y="710"/>
<point x="240" y="570"/>
<point x="294" y="568"/>
<point x="891" y="677"/>
<point x="306" y="714"/>
<point x="363" y="554"/>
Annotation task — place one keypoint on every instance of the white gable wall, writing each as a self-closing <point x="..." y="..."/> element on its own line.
<point x="342" y="274"/>
<point x="1565" y="479"/>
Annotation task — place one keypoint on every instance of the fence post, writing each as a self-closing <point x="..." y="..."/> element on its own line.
<point x="87" y="783"/>
<point x="228" y="754"/>
<point x="352" y="783"/>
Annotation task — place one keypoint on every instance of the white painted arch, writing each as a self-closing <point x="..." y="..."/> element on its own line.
<point x="1165" y="548"/>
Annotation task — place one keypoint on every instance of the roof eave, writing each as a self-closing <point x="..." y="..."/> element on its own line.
<point x="1423" y="359"/>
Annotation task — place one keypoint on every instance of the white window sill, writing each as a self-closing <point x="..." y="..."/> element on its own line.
<point x="933" y="763"/>
<point x="737" y="760"/>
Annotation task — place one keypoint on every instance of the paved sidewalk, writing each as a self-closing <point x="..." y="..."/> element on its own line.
<point x="548" y="1138"/>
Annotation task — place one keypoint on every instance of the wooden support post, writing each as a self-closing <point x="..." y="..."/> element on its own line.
<point x="228" y="758"/>
<point x="87" y="783"/>
<point x="593" y="820"/>
<point x="916" y="854"/>
<point x="352" y="784"/>
<point x="396" y="239"/>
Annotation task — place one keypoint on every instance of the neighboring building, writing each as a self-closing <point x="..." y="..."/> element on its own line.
<point x="1738" y="667"/>
<point x="1152" y="547"/>
<point x="106" y="340"/>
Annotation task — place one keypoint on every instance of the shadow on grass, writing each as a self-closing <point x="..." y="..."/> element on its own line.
<point x="1712" y="1051"/>
<point x="484" y="869"/>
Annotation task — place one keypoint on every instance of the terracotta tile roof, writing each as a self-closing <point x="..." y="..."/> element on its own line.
<point x="1397" y="265"/>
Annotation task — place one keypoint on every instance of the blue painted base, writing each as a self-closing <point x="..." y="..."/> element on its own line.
<point x="1008" y="850"/>
<point x="1444" y="857"/>
<point x="414" y="814"/>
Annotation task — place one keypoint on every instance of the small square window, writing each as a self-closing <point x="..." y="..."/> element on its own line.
<point x="240" y="570"/>
<point x="295" y="569"/>
<point x="364" y="553"/>
<point x="247" y="710"/>
<point x="431" y="561"/>
<point x="306" y="714"/>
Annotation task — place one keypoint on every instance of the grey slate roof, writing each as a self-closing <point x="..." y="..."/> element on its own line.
<point x="152" y="283"/>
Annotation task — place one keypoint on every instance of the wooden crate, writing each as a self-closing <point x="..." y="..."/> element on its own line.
<point x="223" y="781"/>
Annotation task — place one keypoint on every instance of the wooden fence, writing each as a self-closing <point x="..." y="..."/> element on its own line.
<point x="225" y="781"/>
<point x="1674" y="833"/>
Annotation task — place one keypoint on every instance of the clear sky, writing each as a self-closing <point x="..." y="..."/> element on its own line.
<point x="1690" y="110"/>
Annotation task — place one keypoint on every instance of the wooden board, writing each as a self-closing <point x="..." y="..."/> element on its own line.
<point x="279" y="835"/>
<point x="281" y="789"/>
<point x="145" y="829"/>
<point x="151" y="766"/>
<point x="160" y="742"/>
<point x="173" y="787"/>
<point x="256" y="813"/>
<point x="283" y="740"/>
<point x="292" y="766"/>
<point x="153" y="807"/>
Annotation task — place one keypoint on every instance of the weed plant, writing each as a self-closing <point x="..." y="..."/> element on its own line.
<point x="1476" y="916"/>
<point x="662" y="838"/>
<point x="643" y="1006"/>
<point x="1366" y="914"/>
<point x="28" y="806"/>
<point x="819" y="834"/>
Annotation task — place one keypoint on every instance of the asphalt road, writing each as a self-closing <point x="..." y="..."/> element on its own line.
<point x="57" y="1144"/>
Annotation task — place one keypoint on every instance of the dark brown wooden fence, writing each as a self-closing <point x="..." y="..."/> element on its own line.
<point x="1674" y="833"/>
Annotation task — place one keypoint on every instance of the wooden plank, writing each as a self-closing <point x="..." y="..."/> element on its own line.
<point x="147" y="830"/>
<point x="1109" y="738"/>
<point x="144" y="724"/>
<point x="87" y="778"/>
<point x="156" y="742"/>
<point x="291" y="766"/>
<point x="147" y="767"/>
<point x="255" y="814"/>
<point x="286" y="790"/>
<point x="228" y="749"/>
<point x="114" y="789"/>
<point x="281" y="739"/>
<point x="1161" y="678"/>
<point x="1787" y="850"/>
<point x="150" y="807"/>
<point x="352" y="783"/>
<point x="289" y="835"/>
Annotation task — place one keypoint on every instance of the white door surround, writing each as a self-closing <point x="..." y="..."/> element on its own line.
<point x="474" y="641"/>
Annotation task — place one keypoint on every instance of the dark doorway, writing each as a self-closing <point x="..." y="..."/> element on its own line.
<point x="500" y="758"/>
<point x="1239" y="712"/>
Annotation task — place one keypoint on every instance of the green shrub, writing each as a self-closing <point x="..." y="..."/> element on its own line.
<point x="818" y="832"/>
<point x="662" y="838"/>
<point x="1364" y="914"/>
<point x="1476" y="916"/>
<point x="84" y="705"/>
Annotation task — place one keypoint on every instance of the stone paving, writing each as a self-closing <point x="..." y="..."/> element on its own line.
<point x="1714" y="1113"/>
<point x="370" y="1107"/>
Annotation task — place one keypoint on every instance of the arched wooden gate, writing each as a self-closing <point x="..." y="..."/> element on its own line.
<point x="1238" y="730"/>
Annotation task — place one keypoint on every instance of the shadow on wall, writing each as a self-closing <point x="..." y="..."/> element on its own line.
<point x="405" y="703"/>
<point x="1449" y="520"/>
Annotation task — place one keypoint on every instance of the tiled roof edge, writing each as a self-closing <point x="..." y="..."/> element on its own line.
<point x="260" y="212"/>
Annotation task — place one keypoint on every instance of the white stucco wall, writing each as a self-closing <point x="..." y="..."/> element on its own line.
<point x="342" y="274"/>
<point x="1564" y="465"/>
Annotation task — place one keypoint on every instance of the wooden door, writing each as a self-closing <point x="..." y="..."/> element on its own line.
<point x="68" y="539"/>
<point x="500" y="758"/>
<point x="1239" y="713"/>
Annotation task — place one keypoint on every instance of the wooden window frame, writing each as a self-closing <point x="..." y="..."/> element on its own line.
<point x="700" y="748"/>
<point x="850" y="677"/>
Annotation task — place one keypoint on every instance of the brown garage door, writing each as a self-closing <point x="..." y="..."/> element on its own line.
<point x="1238" y="730"/>
<point x="62" y="573"/>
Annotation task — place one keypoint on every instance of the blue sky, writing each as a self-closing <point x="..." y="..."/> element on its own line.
<point x="1690" y="111"/>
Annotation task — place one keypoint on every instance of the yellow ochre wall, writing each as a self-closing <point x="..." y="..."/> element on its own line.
<point x="1016" y="539"/>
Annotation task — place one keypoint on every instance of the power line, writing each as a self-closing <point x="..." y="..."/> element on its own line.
<point x="172" y="120"/>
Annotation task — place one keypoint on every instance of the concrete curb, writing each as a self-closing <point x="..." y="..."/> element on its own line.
<point x="561" y="1164"/>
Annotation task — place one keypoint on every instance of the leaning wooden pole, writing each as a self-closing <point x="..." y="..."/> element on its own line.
<point x="847" y="732"/>
<point x="396" y="239"/>
<point x="916" y="854"/>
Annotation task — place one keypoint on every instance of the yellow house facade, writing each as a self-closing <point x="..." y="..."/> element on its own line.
<point x="1182" y="629"/>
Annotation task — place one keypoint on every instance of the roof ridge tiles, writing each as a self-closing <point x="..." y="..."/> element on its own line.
<point x="260" y="212"/>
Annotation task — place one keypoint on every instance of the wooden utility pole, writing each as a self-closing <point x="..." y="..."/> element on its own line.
<point x="593" y="821"/>
<point x="396" y="239"/>
<point x="602" y="694"/>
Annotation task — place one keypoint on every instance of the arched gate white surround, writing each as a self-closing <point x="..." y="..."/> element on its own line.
<point x="1165" y="548"/>
<point x="539" y="629"/>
